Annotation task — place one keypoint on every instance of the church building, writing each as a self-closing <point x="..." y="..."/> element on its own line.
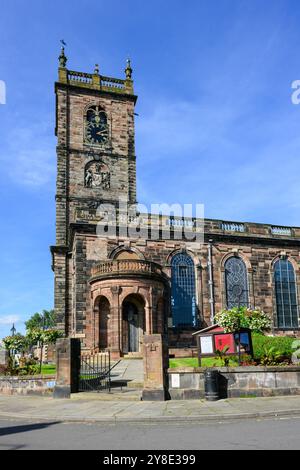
<point x="112" y="287"/>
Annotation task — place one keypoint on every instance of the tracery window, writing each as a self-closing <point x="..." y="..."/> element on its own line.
<point x="236" y="283"/>
<point x="183" y="291"/>
<point x="286" y="294"/>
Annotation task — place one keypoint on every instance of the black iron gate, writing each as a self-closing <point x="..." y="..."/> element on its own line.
<point x="95" y="373"/>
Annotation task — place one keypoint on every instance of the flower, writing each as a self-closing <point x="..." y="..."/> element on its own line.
<point x="243" y="317"/>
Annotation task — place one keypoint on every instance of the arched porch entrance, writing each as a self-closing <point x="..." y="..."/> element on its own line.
<point x="133" y="323"/>
<point x="134" y="290"/>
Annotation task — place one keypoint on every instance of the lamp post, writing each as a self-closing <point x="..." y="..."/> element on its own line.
<point x="42" y="343"/>
<point x="12" y="352"/>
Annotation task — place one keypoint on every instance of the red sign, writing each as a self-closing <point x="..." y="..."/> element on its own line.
<point x="225" y="340"/>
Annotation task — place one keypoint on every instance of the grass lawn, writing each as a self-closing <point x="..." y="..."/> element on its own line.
<point x="193" y="362"/>
<point x="48" y="369"/>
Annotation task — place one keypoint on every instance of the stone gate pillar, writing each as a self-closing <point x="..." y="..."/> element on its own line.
<point x="156" y="363"/>
<point x="67" y="367"/>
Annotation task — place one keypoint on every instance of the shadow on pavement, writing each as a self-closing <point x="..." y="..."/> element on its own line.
<point x="25" y="428"/>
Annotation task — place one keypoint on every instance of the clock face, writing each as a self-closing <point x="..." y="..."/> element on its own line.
<point x="96" y="127"/>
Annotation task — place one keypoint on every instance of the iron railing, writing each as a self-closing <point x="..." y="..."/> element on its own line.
<point x="95" y="373"/>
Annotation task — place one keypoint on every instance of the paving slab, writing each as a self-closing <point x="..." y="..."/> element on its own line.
<point x="92" y="408"/>
<point x="128" y="371"/>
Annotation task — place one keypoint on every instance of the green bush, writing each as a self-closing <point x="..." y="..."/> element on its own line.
<point x="281" y="344"/>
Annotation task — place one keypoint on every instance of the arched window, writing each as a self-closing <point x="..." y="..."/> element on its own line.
<point x="236" y="284"/>
<point x="183" y="292"/>
<point x="286" y="294"/>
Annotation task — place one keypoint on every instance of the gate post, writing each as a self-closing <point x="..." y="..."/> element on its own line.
<point x="156" y="363"/>
<point x="67" y="367"/>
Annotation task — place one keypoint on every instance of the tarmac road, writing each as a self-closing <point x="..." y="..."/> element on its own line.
<point x="273" y="433"/>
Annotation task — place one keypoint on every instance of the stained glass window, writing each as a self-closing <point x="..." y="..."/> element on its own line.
<point x="286" y="294"/>
<point x="236" y="284"/>
<point x="183" y="291"/>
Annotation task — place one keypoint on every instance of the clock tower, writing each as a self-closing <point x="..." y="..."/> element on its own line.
<point x="95" y="159"/>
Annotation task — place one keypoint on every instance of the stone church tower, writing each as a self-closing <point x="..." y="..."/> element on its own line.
<point x="96" y="164"/>
<point x="112" y="289"/>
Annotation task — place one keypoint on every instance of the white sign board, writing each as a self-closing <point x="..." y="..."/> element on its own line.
<point x="206" y="345"/>
<point x="175" y="380"/>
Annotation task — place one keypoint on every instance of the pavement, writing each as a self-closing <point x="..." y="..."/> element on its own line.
<point x="93" y="407"/>
<point x="129" y="372"/>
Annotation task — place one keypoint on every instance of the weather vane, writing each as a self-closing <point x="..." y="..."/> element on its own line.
<point x="62" y="58"/>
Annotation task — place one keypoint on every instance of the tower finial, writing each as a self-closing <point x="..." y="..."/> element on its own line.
<point x="96" y="70"/>
<point x="128" y="70"/>
<point x="62" y="58"/>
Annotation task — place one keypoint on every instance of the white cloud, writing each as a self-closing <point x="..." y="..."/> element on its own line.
<point x="181" y="127"/>
<point x="9" y="319"/>
<point x="28" y="158"/>
<point x="34" y="167"/>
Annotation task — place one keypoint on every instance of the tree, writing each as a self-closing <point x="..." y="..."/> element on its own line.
<point x="44" y="320"/>
<point x="38" y="335"/>
<point x="42" y="337"/>
<point x="17" y="343"/>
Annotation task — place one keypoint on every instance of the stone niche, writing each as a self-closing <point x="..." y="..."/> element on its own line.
<point x="97" y="175"/>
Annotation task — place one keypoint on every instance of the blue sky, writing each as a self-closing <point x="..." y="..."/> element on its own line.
<point x="216" y="123"/>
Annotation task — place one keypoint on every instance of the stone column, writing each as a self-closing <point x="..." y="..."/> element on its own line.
<point x="156" y="363"/>
<point x="114" y="322"/>
<point x="149" y="313"/>
<point x="67" y="367"/>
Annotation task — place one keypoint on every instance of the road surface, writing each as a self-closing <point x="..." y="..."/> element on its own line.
<point x="241" y="434"/>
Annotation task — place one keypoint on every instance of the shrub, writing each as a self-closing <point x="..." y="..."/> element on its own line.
<point x="242" y="317"/>
<point x="296" y="351"/>
<point x="279" y="344"/>
<point x="18" y="343"/>
<point x="271" y="357"/>
<point x="3" y="369"/>
<point x="221" y="354"/>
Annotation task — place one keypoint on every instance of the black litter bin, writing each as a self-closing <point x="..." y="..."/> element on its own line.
<point x="211" y="385"/>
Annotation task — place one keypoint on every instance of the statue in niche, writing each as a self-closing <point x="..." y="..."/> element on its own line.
<point x="97" y="175"/>
<point x="88" y="178"/>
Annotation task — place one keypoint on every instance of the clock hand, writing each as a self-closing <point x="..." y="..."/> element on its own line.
<point x="101" y="132"/>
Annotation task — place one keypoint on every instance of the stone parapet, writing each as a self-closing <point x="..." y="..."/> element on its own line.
<point x="125" y="267"/>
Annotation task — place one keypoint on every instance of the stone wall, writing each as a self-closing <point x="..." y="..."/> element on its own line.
<point x="27" y="385"/>
<point x="249" y="381"/>
<point x="259" y="258"/>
